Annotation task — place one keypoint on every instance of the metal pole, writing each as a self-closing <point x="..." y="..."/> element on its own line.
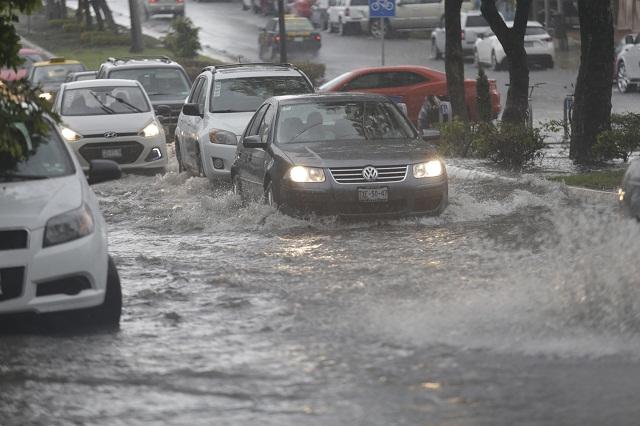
<point x="382" y="38"/>
<point x="283" y="32"/>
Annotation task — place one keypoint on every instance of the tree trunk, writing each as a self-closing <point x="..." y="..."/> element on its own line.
<point x="108" y="16"/>
<point x="512" y="40"/>
<point x="96" y="10"/>
<point x="137" y="45"/>
<point x="87" y="14"/>
<point x="454" y="58"/>
<point x="592" y="107"/>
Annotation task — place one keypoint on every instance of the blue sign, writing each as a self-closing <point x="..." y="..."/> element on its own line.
<point x="382" y="8"/>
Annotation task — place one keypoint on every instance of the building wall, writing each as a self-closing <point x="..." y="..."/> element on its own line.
<point x="628" y="18"/>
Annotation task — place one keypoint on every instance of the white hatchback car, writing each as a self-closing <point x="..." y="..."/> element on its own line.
<point x="53" y="239"/>
<point x="221" y="103"/>
<point x="537" y="43"/>
<point x="112" y="119"/>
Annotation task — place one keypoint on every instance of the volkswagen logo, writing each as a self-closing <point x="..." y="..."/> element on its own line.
<point x="370" y="174"/>
<point x="110" y="134"/>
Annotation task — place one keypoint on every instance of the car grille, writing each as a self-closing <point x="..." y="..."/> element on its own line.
<point x="14" y="239"/>
<point x="11" y="283"/>
<point x="114" y="135"/>
<point x="354" y="174"/>
<point x="130" y="151"/>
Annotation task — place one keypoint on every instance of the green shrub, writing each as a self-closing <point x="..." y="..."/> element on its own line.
<point x="508" y="145"/>
<point x="72" y="27"/>
<point x="314" y="71"/>
<point x="483" y="97"/>
<point x="58" y="23"/>
<point x="102" y="38"/>
<point x="456" y="138"/>
<point x="183" y="39"/>
<point x="621" y="141"/>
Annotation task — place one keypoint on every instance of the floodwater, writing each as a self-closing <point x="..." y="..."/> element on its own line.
<point x="519" y="305"/>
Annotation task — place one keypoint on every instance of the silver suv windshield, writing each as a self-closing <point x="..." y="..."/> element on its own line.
<point x="247" y="94"/>
<point x="47" y="157"/>
<point x="161" y="84"/>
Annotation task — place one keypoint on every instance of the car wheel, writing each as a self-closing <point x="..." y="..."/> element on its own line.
<point x="377" y="29"/>
<point x="435" y="52"/>
<point x="623" y="81"/>
<point x="107" y="314"/>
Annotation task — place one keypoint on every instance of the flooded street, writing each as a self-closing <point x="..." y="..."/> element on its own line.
<point x="519" y="305"/>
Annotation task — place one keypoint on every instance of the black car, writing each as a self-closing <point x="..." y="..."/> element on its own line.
<point x="338" y="154"/>
<point x="301" y="37"/>
<point x="629" y="194"/>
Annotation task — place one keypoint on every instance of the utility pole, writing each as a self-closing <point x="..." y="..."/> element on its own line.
<point x="137" y="45"/>
<point x="283" y="32"/>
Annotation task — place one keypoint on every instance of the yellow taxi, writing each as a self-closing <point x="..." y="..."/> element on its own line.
<point x="50" y="74"/>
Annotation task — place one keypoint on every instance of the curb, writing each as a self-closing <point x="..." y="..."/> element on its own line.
<point x="591" y="194"/>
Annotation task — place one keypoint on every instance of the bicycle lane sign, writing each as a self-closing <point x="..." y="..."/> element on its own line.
<point x="382" y="8"/>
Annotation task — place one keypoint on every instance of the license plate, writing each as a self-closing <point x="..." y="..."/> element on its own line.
<point x="112" y="153"/>
<point x="298" y="39"/>
<point x="373" y="195"/>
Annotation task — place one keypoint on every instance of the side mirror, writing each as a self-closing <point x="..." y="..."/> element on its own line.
<point x="629" y="39"/>
<point x="191" y="109"/>
<point x="103" y="171"/>
<point x="253" y="142"/>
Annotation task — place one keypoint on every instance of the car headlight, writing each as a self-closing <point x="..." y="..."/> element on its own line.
<point x="222" y="137"/>
<point x="151" y="130"/>
<point x="302" y="174"/>
<point x="70" y="135"/>
<point x="68" y="226"/>
<point x="46" y="96"/>
<point x="431" y="168"/>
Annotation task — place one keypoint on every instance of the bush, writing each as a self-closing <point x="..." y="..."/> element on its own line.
<point x="183" y="39"/>
<point x="508" y="145"/>
<point x="314" y="71"/>
<point x="621" y="141"/>
<point x="483" y="97"/>
<point x="72" y="27"/>
<point x="102" y="38"/>
<point x="456" y="138"/>
<point x="58" y="23"/>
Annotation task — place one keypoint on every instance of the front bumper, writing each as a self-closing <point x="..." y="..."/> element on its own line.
<point x="411" y="197"/>
<point x="135" y="151"/>
<point x="45" y="269"/>
<point x="213" y="152"/>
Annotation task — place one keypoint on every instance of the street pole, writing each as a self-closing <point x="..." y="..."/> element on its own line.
<point x="546" y="14"/>
<point x="137" y="45"/>
<point x="283" y="32"/>
<point x="382" y="38"/>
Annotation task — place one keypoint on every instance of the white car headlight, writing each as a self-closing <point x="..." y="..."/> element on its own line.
<point x="150" y="130"/>
<point x="431" y="168"/>
<point x="70" y="135"/>
<point x="68" y="226"/>
<point x="222" y="137"/>
<point x="302" y="174"/>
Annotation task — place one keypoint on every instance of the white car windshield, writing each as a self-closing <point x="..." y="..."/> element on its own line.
<point x="342" y="120"/>
<point x="104" y="100"/>
<point x="46" y="157"/>
<point x="247" y="94"/>
<point x="161" y="84"/>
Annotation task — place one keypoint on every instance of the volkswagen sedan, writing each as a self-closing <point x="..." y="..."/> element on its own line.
<point x="338" y="154"/>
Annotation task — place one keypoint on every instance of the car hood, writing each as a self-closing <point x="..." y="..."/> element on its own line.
<point x="357" y="153"/>
<point x="99" y="124"/>
<point x="234" y="122"/>
<point x="29" y="204"/>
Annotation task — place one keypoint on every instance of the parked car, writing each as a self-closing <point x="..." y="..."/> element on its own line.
<point x="53" y="245"/>
<point x="50" y="74"/>
<point x="30" y="57"/>
<point x="159" y="7"/>
<point x="473" y="25"/>
<point x="629" y="193"/>
<point x="320" y="13"/>
<point x="112" y="120"/>
<point x="628" y="64"/>
<point x="348" y="16"/>
<point x="164" y="80"/>
<point x="221" y="103"/>
<point x="338" y="154"/>
<point x="537" y="42"/>
<point x="412" y="15"/>
<point x="301" y="38"/>
<point x="409" y="84"/>
<point x="81" y="76"/>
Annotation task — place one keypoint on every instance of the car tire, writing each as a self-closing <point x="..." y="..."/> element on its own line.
<point x="108" y="313"/>
<point x="622" y="81"/>
<point x="435" y="52"/>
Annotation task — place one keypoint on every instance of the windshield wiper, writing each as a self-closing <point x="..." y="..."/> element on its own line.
<point x="122" y="101"/>
<point x="17" y="177"/>
<point x="102" y="105"/>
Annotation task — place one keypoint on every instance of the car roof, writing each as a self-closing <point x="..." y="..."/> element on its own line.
<point x="253" y="70"/>
<point x="141" y="62"/>
<point x="56" y="61"/>
<point x="387" y="68"/>
<point x="340" y="96"/>
<point x="101" y="83"/>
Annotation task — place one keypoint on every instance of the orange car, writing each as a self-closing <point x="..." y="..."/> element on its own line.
<point x="409" y="84"/>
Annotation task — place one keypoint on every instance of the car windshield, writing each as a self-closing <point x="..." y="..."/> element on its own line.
<point x="247" y="94"/>
<point x="341" y="120"/>
<point x="477" y="21"/>
<point x="297" y="25"/>
<point x="54" y="74"/>
<point x="103" y="100"/>
<point x="47" y="157"/>
<point x="161" y="84"/>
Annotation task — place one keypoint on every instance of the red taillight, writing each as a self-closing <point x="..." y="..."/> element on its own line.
<point x="277" y="38"/>
<point x="316" y="37"/>
<point x="347" y="12"/>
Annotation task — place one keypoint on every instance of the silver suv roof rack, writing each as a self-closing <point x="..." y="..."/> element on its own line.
<point x="213" y="68"/>
<point x="124" y="59"/>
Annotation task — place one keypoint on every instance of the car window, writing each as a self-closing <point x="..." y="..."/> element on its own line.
<point x="367" y="81"/>
<point x="195" y="90"/>
<point x="160" y="83"/>
<point x="47" y="157"/>
<point x="384" y="80"/>
<point x="201" y="95"/>
<point x="103" y="100"/>
<point x="341" y="120"/>
<point x="247" y="94"/>
<point x="53" y="74"/>
<point x="257" y="120"/>
<point x="267" y="122"/>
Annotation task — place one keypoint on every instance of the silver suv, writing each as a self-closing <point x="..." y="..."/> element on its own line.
<point x="222" y="101"/>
